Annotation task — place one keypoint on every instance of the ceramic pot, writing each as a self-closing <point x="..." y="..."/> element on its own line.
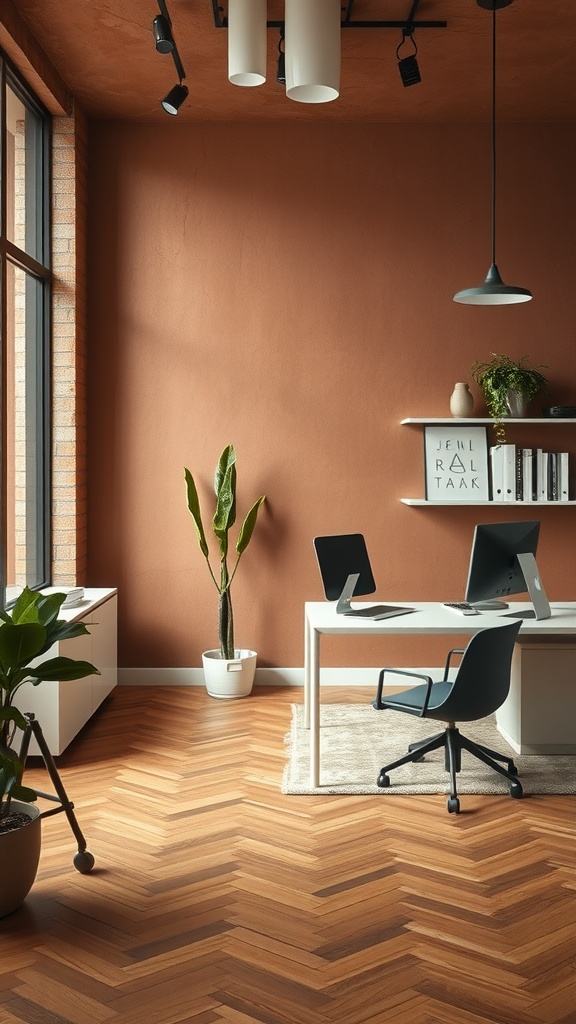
<point x="461" y="401"/>
<point x="19" y="857"/>
<point x="229" y="678"/>
<point x="517" y="403"/>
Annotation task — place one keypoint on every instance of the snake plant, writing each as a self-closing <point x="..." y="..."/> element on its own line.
<point x="222" y="521"/>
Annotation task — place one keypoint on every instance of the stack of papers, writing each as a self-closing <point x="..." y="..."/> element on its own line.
<point x="74" y="595"/>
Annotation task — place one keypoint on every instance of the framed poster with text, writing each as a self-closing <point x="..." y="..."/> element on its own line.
<point x="456" y="463"/>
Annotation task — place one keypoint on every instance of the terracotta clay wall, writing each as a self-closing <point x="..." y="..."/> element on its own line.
<point x="289" y="289"/>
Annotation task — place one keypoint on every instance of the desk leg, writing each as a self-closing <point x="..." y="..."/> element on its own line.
<point x="314" y="706"/>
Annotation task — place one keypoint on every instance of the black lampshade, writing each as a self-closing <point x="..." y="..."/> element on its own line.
<point x="175" y="98"/>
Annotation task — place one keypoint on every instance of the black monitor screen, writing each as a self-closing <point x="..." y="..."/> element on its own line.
<point x="338" y="557"/>
<point x="494" y="568"/>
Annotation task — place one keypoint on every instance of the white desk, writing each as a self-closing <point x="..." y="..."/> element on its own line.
<point x="320" y="619"/>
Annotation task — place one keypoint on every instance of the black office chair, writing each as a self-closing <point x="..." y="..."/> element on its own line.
<point x="481" y="685"/>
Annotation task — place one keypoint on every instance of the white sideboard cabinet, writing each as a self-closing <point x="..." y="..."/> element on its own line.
<point x="62" y="708"/>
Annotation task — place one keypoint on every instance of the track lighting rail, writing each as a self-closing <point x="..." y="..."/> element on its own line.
<point x="174" y="51"/>
<point x="348" y="20"/>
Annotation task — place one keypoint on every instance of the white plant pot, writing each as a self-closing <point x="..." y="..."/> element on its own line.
<point x="229" y="678"/>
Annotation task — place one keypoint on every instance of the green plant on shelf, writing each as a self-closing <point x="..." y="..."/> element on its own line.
<point x="502" y="378"/>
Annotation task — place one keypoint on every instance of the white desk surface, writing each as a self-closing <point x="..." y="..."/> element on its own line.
<point x="429" y="617"/>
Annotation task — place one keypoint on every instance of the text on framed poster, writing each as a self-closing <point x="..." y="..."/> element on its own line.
<point x="456" y="461"/>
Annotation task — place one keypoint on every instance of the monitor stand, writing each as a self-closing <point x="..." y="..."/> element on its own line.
<point x="343" y="606"/>
<point x="373" y="611"/>
<point x="535" y="589"/>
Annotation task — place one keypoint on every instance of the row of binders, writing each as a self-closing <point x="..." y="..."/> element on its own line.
<point x="529" y="474"/>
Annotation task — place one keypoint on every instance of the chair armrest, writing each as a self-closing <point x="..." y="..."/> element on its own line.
<point x="455" y="650"/>
<point x="402" y="672"/>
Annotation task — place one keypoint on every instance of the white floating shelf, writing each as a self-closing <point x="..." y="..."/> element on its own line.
<point x="508" y="421"/>
<point x="493" y="504"/>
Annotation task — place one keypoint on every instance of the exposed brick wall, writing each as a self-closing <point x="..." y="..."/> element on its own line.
<point x="69" y="493"/>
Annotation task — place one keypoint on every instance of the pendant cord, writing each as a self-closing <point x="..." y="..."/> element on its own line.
<point x="494" y="133"/>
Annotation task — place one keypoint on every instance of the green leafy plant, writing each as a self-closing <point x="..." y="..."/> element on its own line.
<point x="222" y="521"/>
<point x="502" y="375"/>
<point x="27" y="632"/>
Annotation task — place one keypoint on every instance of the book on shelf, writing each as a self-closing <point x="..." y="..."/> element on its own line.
<point x="496" y="472"/>
<point x="541" y="475"/>
<point x="509" y="472"/>
<point x="528" y="474"/>
<point x="552" y="476"/>
<point x="564" y="476"/>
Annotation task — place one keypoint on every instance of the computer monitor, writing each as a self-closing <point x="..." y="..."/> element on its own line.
<point x="339" y="556"/>
<point x="503" y="563"/>
<point x="346" y="572"/>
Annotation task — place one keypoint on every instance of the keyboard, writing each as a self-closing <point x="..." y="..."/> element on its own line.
<point x="460" y="607"/>
<point x="379" y="611"/>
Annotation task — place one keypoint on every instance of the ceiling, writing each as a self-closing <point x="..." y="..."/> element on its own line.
<point x="104" y="51"/>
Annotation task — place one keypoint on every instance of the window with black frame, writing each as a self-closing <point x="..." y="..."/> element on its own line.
<point x="25" y="297"/>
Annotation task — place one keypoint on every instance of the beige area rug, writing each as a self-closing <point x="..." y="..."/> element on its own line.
<point x="356" y="741"/>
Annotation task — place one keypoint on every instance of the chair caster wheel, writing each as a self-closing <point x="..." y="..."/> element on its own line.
<point x="453" y="805"/>
<point x="383" y="781"/>
<point x="516" y="791"/>
<point x="84" y="862"/>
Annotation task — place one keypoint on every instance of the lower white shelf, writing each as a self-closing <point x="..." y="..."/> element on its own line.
<point x="500" y="504"/>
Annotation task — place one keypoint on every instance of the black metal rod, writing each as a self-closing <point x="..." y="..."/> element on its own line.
<point x="178" y="63"/>
<point x="175" y="55"/>
<point x="221" y="21"/>
<point x="494" y="134"/>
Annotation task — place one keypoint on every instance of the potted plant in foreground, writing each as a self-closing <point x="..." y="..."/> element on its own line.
<point x="508" y="385"/>
<point x="228" y="672"/>
<point x="26" y="634"/>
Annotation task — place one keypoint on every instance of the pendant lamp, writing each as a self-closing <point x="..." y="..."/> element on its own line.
<point x="493" y="292"/>
<point x="247" y="43"/>
<point x="312" y="31"/>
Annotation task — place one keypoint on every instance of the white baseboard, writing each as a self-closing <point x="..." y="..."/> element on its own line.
<point x="267" y="677"/>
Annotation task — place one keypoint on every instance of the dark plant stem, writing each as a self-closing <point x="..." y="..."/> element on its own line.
<point x="225" y="617"/>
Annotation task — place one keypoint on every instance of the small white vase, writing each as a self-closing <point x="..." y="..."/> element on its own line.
<point x="461" y="401"/>
<point x="229" y="678"/>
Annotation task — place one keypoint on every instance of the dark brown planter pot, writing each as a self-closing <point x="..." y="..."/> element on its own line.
<point x="19" y="857"/>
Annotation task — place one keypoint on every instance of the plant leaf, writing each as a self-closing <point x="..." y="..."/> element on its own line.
<point x="18" y="792"/>
<point x="225" y="512"/>
<point x="13" y="715"/>
<point x="19" y="642"/>
<point x="194" y="509"/>
<point x="49" y="607"/>
<point x="61" y="670"/>
<point x="248" y="525"/>
<point x="26" y="599"/>
<point x="227" y="459"/>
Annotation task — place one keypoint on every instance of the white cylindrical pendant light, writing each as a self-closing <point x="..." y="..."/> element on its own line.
<point x="312" y="45"/>
<point x="247" y="42"/>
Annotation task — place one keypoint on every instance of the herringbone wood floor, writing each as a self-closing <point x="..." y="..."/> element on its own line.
<point x="217" y="900"/>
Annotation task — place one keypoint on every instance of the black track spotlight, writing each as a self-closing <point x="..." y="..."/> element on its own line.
<point x="408" y="66"/>
<point x="281" y="68"/>
<point x="175" y="98"/>
<point x="162" y="34"/>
